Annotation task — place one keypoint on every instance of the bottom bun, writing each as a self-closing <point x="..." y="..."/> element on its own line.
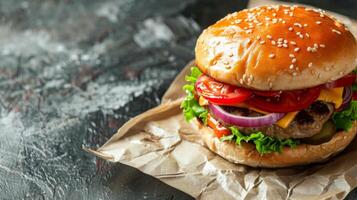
<point x="302" y="154"/>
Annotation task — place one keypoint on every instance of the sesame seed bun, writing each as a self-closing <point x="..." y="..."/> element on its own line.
<point x="276" y="48"/>
<point x="302" y="154"/>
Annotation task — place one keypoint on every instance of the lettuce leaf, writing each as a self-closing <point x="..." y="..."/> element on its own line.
<point x="263" y="144"/>
<point x="191" y="107"/>
<point x="344" y="119"/>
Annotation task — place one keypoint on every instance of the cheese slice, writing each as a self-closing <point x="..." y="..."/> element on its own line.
<point x="287" y="119"/>
<point x="332" y="95"/>
<point x="202" y="101"/>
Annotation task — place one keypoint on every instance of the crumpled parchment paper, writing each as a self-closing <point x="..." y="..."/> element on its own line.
<point x="160" y="143"/>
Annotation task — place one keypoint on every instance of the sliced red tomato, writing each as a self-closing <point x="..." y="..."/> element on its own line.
<point x="354" y="96"/>
<point x="347" y="80"/>
<point x="218" y="129"/>
<point x="267" y="93"/>
<point x="287" y="101"/>
<point x="221" y="93"/>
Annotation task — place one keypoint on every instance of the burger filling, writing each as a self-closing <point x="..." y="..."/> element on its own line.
<point x="271" y="119"/>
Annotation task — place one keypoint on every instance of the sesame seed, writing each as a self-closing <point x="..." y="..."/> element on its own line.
<point x="262" y="42"/>
<point x="285" y="45"/>
<point x="298" y="25"/>
<point x="280" y="39"/>
<point x="260" y="23"/>
<point x="273" y="42"/>
<point x="316" y="46"/>
<point x="285" y="41"/>
<point x="336" y="31"/>
<point x="301" y="36"/>
<point x="296" y="49"/>
<point x="291" y="66"/>
<point x="291" y="14"/>
<point x="279" y="45"/>
<point x="291" y="55"/>
<point x="238" y="21"/>
<point x="309" y="49"/>
<point x="269" y="37"/>
<point x="271" y="55"/>
<point x="318" y="22"/>
<point x="307" y="35"/>
<point x="322" y="46"/>
<point x="292" y="42"/>
<point x="293" y="60"/>
<point x="258" y="37"/>
<point x="305" y="25"/>
<point x="290" y="29"/>
<point x="322" y="15"/>
<point x="310" y="64"/>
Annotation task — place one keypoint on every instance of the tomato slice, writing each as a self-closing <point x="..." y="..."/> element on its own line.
<point x="347" y="80"/>
<point x="218" y="129"/>
<point x="287" y="101"/>
<point x="267" y="93"/>
<point x="221" y="93"/>
<point x="354" y="96"/>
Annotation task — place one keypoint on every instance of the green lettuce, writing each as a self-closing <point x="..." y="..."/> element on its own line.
<point x="191" y="107"/>
<point x="263" y="144"/>
<point x="344" y="119"/>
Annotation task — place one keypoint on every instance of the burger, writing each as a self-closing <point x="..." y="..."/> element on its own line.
<point x="272" y="86"/>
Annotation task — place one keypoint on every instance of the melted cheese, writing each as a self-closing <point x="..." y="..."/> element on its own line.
<point x="332" y="95"/>
<point x="287" y="119"/>
<point x="202" y="101"/>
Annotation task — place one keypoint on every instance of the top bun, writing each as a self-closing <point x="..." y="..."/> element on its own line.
<point x="276" y="48"/>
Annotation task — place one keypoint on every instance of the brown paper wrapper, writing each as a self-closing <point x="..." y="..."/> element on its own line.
<point x="159" y="142"/>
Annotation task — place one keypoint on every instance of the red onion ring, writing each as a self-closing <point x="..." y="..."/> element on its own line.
<point x="243" y="121"/>
<point x="347" y="96"/>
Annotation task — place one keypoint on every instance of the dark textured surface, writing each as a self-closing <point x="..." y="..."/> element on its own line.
<point x="72" y="72"/>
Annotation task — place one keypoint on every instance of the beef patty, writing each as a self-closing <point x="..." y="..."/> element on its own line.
<point x="307" y="122"/>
